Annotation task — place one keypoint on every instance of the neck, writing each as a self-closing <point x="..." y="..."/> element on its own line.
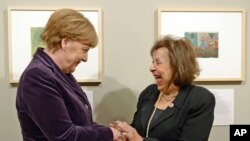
<point x="172" y="90"/>
<point x="56" y="57"/>
<point x="168" y="97"/>
<point x="166" y="100"/>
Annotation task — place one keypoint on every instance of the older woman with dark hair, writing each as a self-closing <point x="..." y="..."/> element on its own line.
<point x="173" y="109"/>
<point x="51" y="106"/>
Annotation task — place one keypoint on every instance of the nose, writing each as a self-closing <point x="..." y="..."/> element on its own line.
<point x="152" y="67"/>
<point x="85" y="57"/>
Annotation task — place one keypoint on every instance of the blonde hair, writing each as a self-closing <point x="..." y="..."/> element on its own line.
<point x="70" y="24"/>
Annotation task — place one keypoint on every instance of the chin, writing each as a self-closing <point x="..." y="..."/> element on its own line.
<point x="72" y="70"/>
<point x="160" y="87"/>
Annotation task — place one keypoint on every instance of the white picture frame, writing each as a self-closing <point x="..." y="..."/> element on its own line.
<point x="20" y="20"/>
<point x="230" y="24"/>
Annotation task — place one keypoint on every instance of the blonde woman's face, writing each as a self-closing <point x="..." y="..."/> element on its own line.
<point x="75" y="52"/>
<point x="161" y="68"/>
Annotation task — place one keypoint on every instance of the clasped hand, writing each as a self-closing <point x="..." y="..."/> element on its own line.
<point x="127" y="132"/>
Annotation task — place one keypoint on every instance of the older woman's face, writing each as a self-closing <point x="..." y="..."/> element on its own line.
<point x="161" y="68"/>
<point x="75" y="52"/>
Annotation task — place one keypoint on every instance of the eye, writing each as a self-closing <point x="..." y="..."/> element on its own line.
<point x="158" y="62"/>
<point x="84" y="50"/>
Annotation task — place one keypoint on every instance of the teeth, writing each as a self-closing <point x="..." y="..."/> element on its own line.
<point x="157" y="77"/>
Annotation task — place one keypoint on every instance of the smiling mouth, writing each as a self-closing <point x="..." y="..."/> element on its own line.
<point x="158" y="78"/>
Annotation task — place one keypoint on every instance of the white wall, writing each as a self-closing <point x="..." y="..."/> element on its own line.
<point x="129" y="28"/>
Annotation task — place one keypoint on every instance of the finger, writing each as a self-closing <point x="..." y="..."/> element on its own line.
<point x="117" y="121"/>
<point x="120" y="125"/>
<point x="127" y="135"/>
<point x="125" y="122"/>
<point x="123" y="138"/>
<point x="111" y="125"/>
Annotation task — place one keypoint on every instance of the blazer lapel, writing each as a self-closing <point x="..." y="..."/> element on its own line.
<point x="148" y="107"/>
<point x="72" y="83"/>
<point x="164" y="115"/>
<point x="146" y="112"/>
<point x="68" y="80"/>
<point x="178" y="102"/>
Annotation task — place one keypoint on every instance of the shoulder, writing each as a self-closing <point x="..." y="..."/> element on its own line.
<point x="201" y="92"/>
<point x="36" y="72"/>
<point x="148" y="92"/>
<point x="201" y="95"/>
<point x="152" y="88"/>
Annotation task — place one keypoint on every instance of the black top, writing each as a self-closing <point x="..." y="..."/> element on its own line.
<point x="190" y="119"/>
<point x="156" y="115"/>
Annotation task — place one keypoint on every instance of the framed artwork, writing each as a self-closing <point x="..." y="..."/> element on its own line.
<point x="218" y="37"/>
<point x="24" y="28"/>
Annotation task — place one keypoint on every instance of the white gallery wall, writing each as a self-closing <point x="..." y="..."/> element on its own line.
<point x="129" y="30"/>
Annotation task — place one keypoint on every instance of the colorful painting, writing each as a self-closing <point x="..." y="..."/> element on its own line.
<point x="205" y="43"/>
<point x="35" y="38"/>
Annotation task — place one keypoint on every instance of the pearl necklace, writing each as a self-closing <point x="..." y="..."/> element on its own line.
<point x="149" y="122"/>
<point x="153" y="113"/>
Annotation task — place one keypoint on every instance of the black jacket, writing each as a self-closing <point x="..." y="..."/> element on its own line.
<point x="190" y="119"/>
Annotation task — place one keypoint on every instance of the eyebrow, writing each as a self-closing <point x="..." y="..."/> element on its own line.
<point x="84" y="48"/>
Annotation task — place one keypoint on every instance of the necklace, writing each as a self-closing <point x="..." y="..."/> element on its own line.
<point x="149" y="121"/>
<point x="153" y="113"/>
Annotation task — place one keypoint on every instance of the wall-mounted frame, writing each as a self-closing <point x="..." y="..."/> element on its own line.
<point x="20" y="22"/>
<point x="226" y="27"/>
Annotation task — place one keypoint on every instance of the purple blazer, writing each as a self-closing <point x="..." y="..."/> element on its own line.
<point x="52" y="106"/>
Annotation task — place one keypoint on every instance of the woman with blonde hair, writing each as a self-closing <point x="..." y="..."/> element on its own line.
<point x="51" y="106"/>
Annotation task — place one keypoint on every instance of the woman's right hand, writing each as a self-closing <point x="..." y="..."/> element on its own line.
<point x="127" y="131"/>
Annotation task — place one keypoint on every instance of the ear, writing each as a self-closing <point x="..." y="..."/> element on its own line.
<point x="64" y="43"/>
